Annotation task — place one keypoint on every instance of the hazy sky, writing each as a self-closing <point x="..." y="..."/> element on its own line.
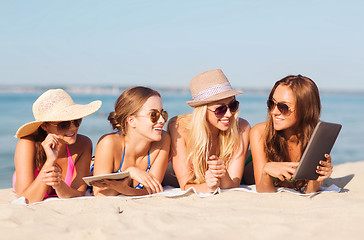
<point x="166" y="43"/>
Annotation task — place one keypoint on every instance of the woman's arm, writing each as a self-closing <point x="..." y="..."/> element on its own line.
<point x="159" y="159"/>
<point x="26" y="185"/>
<point x="104" y="163"/>
<point x="159" y="165"/>
<point x="263" y="169"/>
<point x="179" y="158"/>
<point x="235" y="170"/>
<point x="83" y="148"/>
<point x="263" y="181"/>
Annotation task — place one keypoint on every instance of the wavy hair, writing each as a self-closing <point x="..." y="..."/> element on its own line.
<point x="39" y="156"/>
<point x="199" y="142"/>
<point x="127" y="104"/>
<point x="307" y="110"/>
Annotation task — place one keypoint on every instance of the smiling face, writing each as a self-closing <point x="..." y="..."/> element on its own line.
<point x="141" y="121"/>
<point x="224" y="122"/>
<point x="284" y="94"/>
<point x="66" y="135"/>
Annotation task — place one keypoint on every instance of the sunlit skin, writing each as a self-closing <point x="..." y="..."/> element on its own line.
<point x="217" y="175"/>
<point x="219" y="124"/>
<point x="264" y="170"/>
<point x="142" y="136"/>
<point x="54" y="170"/>
<point x="286" y="122"/>
<point x="151" y="131"/>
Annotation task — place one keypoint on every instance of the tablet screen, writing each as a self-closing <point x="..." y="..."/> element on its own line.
<point x="321" y="142"/>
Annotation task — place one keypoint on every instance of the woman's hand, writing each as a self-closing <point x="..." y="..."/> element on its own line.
<point x="216" y="166"/>
<point x="324" y="168"/>
<point x="50" y="145"/>
<point x="281" y="170"/>
<point x="150" y="183"/>
<point x="212" y="182"/>
<point x="52" y="176"/>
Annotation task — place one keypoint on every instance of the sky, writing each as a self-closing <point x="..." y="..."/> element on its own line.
<point x="167" y="43"/>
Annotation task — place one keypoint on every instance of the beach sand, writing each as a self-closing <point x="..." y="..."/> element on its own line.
<point x="229" y="215"/>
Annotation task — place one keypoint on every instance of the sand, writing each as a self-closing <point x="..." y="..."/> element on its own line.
<point x="229" y="215"/>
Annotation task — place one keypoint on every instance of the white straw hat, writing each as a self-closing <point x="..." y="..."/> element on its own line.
<point x="55" y="105"/>
<point x="210" y="86"/>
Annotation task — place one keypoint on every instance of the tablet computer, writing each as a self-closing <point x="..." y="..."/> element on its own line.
<point x="321" y="142"/>
<point x="110" y="176"/>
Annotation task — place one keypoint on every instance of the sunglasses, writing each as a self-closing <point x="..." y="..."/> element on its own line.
<point x="282" y="107"/>
<point x="155" y="115"/>
<point x="62" y="126"/>
<point x="220" y="111"/>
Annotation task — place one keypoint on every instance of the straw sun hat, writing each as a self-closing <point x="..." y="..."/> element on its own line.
<point x="55" y="105"/>
<point x="210" y="86"/>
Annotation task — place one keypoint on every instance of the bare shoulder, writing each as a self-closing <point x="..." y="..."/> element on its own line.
<point x="177" y="126"/>
<point x="243" y="124"/>
<point x="25" y="147"/>
<point x="108" y="140"/>
<point x="172" y="125"/>
<point x="26" y="142"/>
<point x="166" y="140"/>
<point x="258" y="129"/>
<point x="83" y="140"/>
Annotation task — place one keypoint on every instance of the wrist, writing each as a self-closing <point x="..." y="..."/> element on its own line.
<point x="59" y="185"/>
<point x="50" y="162"/>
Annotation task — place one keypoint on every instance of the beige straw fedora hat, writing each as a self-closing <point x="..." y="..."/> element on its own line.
<point x="55" y="105"/>
<point x="210" y="86"/>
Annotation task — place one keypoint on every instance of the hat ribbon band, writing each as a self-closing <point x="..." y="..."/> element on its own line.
<point x="211" y="91"/>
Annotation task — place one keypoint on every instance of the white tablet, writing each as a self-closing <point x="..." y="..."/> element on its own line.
<point x="321" y="142"/>
<point x="111" y="176"/>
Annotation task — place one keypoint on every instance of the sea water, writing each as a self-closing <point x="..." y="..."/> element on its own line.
<point x="344" y="108"/>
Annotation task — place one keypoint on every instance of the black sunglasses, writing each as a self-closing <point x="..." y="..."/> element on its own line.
<point x="282" y="107"/>
<point x="220" y="111"/>
<point x="155" y="115"/>
<point x="62" y="126"/>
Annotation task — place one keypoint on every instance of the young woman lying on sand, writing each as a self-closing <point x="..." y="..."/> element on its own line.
<point x="209" y="145"/>
<point x="51" y="157"/>
<point x="139" y="146"/>
<point x="277" y="145"/>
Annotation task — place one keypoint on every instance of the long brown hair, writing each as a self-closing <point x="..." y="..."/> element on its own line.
<point x="39" y="155"/>
<point x="308" y="109"/>
<point x="127" y="104"/>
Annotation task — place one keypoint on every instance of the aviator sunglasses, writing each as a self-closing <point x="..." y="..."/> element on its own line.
<point x="282" y="107"/>
<point x="155" y="115"/>
<point x="62" y="126"/>
<point x="220" y="111"/>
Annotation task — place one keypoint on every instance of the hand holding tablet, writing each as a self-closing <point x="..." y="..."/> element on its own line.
<point x="321" y="143"/>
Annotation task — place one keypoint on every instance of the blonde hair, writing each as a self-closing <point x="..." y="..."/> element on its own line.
<point x="199" y="142"/>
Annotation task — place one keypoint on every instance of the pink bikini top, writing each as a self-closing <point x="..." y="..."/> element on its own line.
<point x="67" y="180"/>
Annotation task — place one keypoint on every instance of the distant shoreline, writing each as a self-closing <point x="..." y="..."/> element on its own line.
<point x="115" y="90"/>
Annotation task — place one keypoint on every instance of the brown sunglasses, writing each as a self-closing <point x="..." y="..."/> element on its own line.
<point x="62" y="126"/>
<point x="155" y="115"/>
<point x="282" y="107"/>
